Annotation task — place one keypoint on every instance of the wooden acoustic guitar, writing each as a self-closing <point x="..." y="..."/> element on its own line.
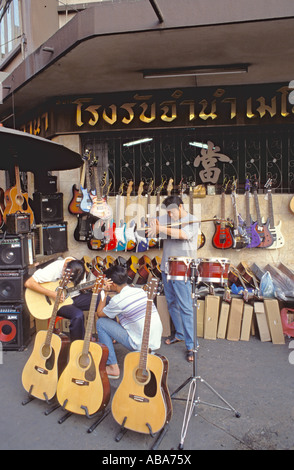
<point x="142" y="402"/>
<point x="2" y="207"/>
<point x="41" y="372"/>
<point x="83" y="387"/>
<point x="40" y="305"/>
<point x="16" y="200"/>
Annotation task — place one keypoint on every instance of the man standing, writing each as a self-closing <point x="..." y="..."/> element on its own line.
<point x="179" y="231"/>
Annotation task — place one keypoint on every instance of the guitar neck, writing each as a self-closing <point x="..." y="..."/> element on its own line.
<point x="270" y="209"/>
<point x="257" y="208"/>
<point x="145" y="339"/>
<point x="89" y="327"/>
<point x="97" y="184"/>
<point x="248" y="221"/>
<point x="17" y="180"/>
<point x="223" y="209"/>
<point x="53" y="317"/>
<point x="81" y="286"/>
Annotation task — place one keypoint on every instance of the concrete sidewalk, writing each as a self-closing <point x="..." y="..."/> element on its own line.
<point x="256" y="378"/>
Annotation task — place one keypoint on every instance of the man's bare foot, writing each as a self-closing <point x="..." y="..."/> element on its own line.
<point x="112" y="371"/>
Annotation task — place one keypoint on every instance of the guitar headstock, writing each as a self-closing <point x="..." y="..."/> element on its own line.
<point x="150" y="187"/>
<point x="268" y="184"/>
<point x="247" y="185"/>
<point x="98" y="284"/>
<point x="170" y="186"/>
<point x="87" y="155"/>
<point x="160" y="187"/>
<point x="130" y="188"/>
<point x="140" y="189"/>
<point x="152" y="288"/>
<point x="65" y="278"/>
<point x="255" y="183"/>
<point x="121" y="189"/>
<point x="234" y="185"/>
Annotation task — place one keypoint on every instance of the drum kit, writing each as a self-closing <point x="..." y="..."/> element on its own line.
<point x="196" y="271"/>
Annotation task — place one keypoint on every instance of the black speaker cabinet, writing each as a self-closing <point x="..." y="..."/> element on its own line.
<point x="11" y="286"/>
<point x="46" y="184"/>
<point x="14" y="327"/>
<point x="18" y="223"/>
<point x="13" y="252"/>
<point x="54" y="238"/>
<point x="48" y="208"/>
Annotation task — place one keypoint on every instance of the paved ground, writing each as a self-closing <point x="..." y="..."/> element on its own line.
<point x="256" y="378"/>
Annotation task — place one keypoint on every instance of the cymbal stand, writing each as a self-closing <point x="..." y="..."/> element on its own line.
<point x="193" y="400"/>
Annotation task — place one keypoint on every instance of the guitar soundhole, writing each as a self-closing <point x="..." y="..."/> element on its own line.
<point x="150" y="388"/>
<point x="84" y="361"/>
<point x="142" y="376"/>
<point x="146" y="377"/>
<point x="50" y="355"/>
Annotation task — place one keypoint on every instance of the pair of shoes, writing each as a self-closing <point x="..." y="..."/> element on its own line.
<point x="111" y="376"/>
<point x="172" y="340"/>
<point x="190" y="356"/>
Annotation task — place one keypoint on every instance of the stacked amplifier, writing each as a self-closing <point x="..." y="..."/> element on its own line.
<point x="47" y="204"/>
<point x="14" y="317"/>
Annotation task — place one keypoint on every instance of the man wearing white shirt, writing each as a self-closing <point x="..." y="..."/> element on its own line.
<point x="129" y="306"/>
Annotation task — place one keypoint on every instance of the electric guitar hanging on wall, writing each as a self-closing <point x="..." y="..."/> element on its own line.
<point x="41" y="372"/>
<point x="275" y="230"/>
<point x="83" y="387"/>
<point x="239" y="233"/>
<point x="131" y="242"/>
<point x="262" y="228"/>
<point x="142" y="402"/>
<point x="201" y="237"/>
<point x="142" y="242"/>
<point x="223" y="238"/>
<point x="77" y="195"/>
<point x="120" y="229"/>
<point x="99" y="207"/>
<point x="16" y="200"/>
<point x="249" y="225"/>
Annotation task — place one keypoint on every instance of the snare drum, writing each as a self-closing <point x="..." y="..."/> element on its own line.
<point x="213" y="270"/>
<point x="179" y="269"/>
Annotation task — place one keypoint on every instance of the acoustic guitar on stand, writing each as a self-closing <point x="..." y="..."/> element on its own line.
<point x="142" y="402"/>
<point x="41" y="372"/>
<point x="83" y="387"/>
<point x="16" y="200"/>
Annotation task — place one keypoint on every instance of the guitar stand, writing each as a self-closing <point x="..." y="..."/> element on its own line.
<point x="31" y="397"/>
<point x="192" y="400"/>
<point x="94" y="425"/>
<point x="158" y="439"/>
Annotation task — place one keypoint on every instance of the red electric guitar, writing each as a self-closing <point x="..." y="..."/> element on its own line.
<point x="223" y="238"/>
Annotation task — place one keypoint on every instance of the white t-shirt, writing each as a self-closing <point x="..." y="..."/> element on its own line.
<point x="130" y="308"/>
<point x="53" y="272"/>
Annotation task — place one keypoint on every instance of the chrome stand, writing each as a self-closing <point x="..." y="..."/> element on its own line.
<point x="193" y="400"/>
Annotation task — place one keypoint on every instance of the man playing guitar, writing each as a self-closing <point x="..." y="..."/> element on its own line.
<point x="179" y="231"/>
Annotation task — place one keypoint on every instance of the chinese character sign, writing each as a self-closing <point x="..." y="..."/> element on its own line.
<point x="208" y="159"/>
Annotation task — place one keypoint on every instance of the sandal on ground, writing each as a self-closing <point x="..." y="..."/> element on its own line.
<point x="172" y="340"/>
<point x="190" y="356"/>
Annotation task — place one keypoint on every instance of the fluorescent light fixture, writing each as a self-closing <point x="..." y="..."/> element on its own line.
<point x="199" y="144"/>
<point x="195" y="71"/>
<point x="137" y="142"/>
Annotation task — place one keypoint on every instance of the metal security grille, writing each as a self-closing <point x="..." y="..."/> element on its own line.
<point x="254" y="153"/>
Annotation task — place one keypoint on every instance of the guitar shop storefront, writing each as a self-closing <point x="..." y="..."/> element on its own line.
<point x="211" y="138"/>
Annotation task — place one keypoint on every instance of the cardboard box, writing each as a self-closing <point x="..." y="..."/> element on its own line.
<point x="223" y="320"/>
<point x="272" y="310"/>
<point x="200" y="318"/>
<point x="235" y="319"/>
<point x="261" y="320"/>
<point x="164" y="315"/>
<point x="246" y="322"/>
<point x="211" y="313"/>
